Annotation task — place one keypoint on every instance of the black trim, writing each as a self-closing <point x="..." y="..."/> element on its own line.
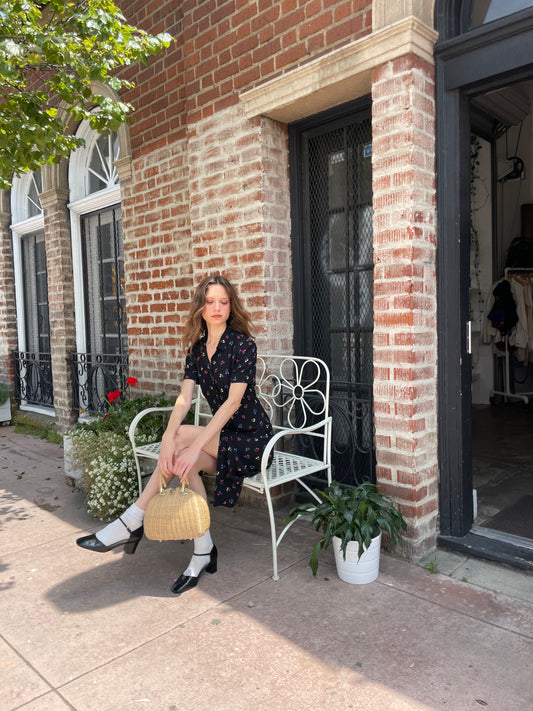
<point x="490" y="56"/>
<point x="474" y="65"/>
<point x="490" y="549"/>
<point x="447" y="18"/>
<point x="453" y="252"/>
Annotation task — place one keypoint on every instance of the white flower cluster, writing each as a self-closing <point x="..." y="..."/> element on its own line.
<point x="109" y="475"/>
<point x="113" y="483"/>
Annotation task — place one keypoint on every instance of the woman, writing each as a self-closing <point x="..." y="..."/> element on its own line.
<point x="221" y="358"/>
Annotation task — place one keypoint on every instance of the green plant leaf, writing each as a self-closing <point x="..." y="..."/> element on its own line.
<point x="61" y="48"/>
<point x="352" y="514"/>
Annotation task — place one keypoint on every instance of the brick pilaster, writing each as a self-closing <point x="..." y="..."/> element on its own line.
<point x="60" y="301"/>
<point x="405" y="336"/>
<point x="8" y="318"/>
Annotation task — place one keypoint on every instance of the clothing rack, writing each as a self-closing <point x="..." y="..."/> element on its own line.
<point x="524" y="271"/>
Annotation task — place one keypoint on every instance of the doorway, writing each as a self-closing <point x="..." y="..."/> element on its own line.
<point x="501" y="262"/>
<point x="482" y="70"/>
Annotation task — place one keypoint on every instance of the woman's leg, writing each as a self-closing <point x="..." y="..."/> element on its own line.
<point x="132" y="519"/>
<point x="205" y="553"/>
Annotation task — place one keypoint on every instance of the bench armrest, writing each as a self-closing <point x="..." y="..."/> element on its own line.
<point x="290" y="432"/>
<point x="139" y="417"/>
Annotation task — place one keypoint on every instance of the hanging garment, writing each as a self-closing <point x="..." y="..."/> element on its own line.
<point x="503" y="315"/>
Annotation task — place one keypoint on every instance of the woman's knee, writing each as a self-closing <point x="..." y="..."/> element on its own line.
<point x="184" y="436"/>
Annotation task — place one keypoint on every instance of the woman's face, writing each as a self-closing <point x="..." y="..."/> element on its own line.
<point x="217" y="306"/>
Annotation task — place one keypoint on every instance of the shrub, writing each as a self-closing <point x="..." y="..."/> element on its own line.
<point x="103" y="449"/>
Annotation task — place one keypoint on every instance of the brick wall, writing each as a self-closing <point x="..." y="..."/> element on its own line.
<point x="277" y="236"/>
<point x="405" y="340"/>
<point x="224" y="47"/>
<point x="193" y="150"/>
<point x="157" y="261"/>
<point x="218" y="202"/>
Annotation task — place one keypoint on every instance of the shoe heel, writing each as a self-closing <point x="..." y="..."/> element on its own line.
<point x="135" y="538"/>
<point x="131" y="547"/>
<point x="212" y="566"/>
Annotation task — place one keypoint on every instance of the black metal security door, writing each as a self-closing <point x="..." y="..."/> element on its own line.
<point x="331" y="169"/>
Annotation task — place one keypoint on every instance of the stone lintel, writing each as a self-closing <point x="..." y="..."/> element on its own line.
<point x="340" y="76"/>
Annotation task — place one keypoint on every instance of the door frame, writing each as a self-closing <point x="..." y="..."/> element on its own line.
<point x="324" y="122"/>
<point x="482" y="59"/>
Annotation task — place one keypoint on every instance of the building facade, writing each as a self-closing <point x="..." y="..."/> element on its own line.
<point x="295" y="146"/>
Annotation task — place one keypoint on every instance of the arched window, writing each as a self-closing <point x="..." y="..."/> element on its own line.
<point x="98" y="262"/>
<point x="92" y="167"/>
<point x="32" y="198"/>
<point x="25" y="201"/>
<point x="32" y="360"/>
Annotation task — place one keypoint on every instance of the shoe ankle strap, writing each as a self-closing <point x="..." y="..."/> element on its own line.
<point x="126" y="525"/>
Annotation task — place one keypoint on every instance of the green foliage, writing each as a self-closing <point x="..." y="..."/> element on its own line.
<point x="431" y="566"/>
<point x="50" y="56"/>
<point x="119" y="419"/>
<point x="103" y="450"/>
<point x="352" y="514"/>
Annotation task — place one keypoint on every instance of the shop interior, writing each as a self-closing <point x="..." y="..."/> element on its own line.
<point x="501" y="261"/>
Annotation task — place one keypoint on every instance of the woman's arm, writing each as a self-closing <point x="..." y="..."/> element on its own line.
<point x="181" y="408"/>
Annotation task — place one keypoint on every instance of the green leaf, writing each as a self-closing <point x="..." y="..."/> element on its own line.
<point x="62" y="50"/>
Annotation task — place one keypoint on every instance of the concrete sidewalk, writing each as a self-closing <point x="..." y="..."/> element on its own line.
<point x="95" y="632"/>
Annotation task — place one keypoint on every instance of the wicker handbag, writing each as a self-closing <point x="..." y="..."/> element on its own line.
<point x="176" y="513"/>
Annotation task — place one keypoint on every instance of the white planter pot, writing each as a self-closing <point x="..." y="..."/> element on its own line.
<point x="355" y="569"/>
<point x="5" y="411"/>
<point x="73" y="470"/>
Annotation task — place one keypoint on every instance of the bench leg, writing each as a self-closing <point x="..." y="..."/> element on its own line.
<point x="275" y="575"/>
<point x="139" y="474"/>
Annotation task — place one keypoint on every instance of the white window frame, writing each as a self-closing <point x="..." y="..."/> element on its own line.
<point x="21" y="226"/>
<point x="83" y="204"/>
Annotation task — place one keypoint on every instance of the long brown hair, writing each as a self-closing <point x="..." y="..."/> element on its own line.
<point x="195" y="326"/>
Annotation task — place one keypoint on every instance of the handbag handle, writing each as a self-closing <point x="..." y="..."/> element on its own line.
<point x="163" y="484"/>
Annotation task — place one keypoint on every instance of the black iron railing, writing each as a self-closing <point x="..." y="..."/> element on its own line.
<point x="94" y="377"/>
<point x="33" y="378"/>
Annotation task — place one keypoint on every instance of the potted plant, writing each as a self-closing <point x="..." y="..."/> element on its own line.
<point x="5" y="403"/>
<point x="352" y="519"/>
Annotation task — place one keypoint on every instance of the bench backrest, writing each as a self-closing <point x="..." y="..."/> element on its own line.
<point x="294" y="390"/>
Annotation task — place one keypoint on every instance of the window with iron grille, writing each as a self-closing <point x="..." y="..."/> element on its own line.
<point x="35" y="293"/>
<point x="331" y="190"/>
<point x="104" y="282"/>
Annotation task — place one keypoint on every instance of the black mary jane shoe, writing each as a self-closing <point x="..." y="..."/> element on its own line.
<point x="186" y="582"/>
<point x="91" y="543"/>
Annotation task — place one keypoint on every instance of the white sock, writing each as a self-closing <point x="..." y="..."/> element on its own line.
<point x="202" y="545"/>
<point x="116" y="531"/>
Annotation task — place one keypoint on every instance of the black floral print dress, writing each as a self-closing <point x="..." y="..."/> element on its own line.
<point x="246" y="434"/>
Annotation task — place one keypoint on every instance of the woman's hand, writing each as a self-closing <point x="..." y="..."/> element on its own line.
<point x="185" y="461"/>
<point x="167" y="457"/>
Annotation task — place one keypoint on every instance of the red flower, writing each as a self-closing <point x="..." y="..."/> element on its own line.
<point x="131" y="381"/>
<point x="114" y="395"/>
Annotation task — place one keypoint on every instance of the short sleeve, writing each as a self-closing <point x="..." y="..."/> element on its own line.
<point x="244" y="362"/>
<point x="191" y="371"/>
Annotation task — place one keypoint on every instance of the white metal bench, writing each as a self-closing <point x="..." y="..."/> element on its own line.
<point x="294" y="391"/>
